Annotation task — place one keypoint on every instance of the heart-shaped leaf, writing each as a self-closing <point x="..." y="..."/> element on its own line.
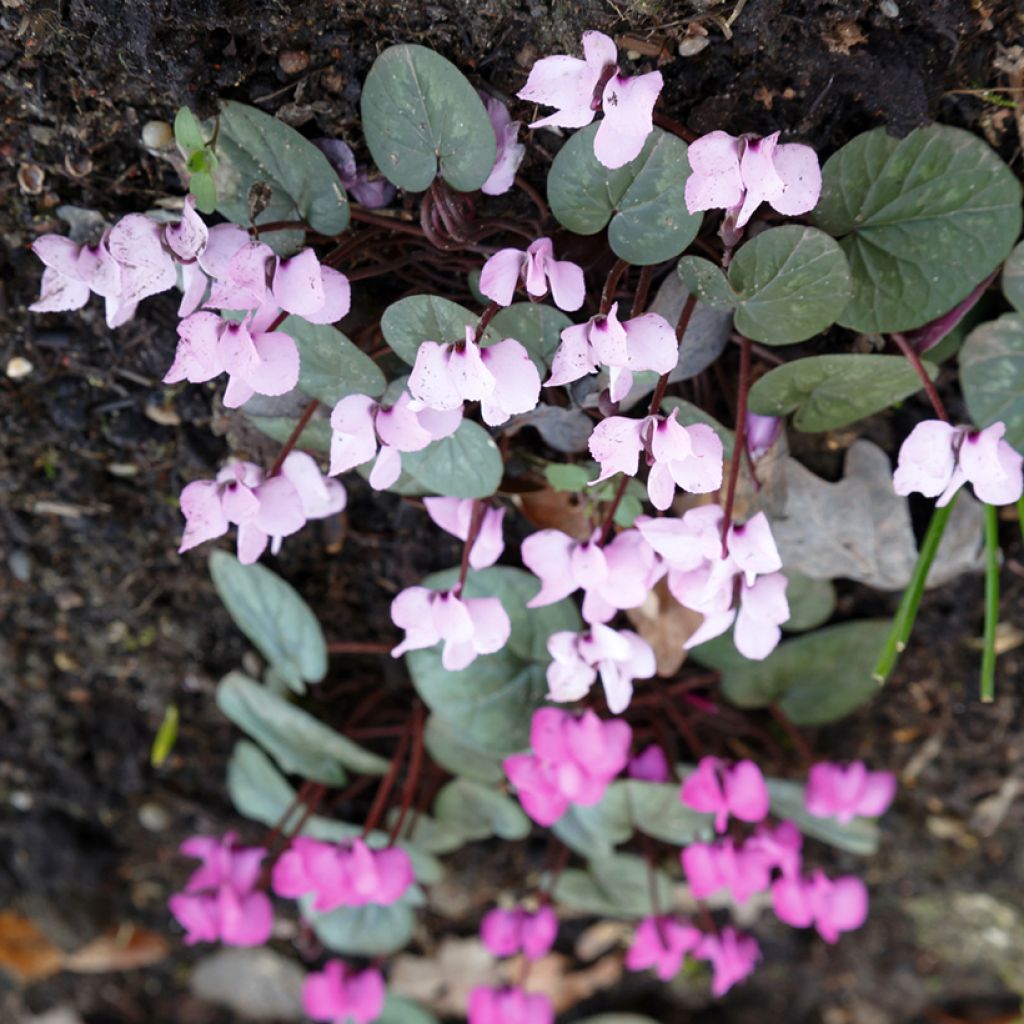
<point x="815" y="678"/>
<point x="370" y="930"/>
<point x="421" y="117"/>
<point x="1013" y="278"/>
<point x="827" y="392"/>
<point x="465" y="465"/>
<point x="255" y="147"/>
<point x="479" y="812"/>
<point x="446" y="746"/>
<point x="273" y="616"/>
<point x="618" y="885"/>
<point x="644" y="200"/>
<point x="536" y="327"/>
<point x="299" y="743"/>
<point x="596" y="830"/>
<point x="992" y="375"/>
<point x="409" y="322"/>
<point x="922" y="220"/>
<point x="490" y="702"/>
<point x="811" y="602"/>
<point x="785" y="285"/>
<point x="330" y="366"/>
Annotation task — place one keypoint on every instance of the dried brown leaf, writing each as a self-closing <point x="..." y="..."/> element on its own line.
<point x="666" y="625"/>
<point x="25" y="951"/>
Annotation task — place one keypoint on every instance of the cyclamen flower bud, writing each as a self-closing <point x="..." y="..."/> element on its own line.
<point x="510" y="150"/>
<point x="339" y="995"/>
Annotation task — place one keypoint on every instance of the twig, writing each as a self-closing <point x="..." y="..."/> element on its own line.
<point x="740" y="441"/>
<point x="293" y="438"/>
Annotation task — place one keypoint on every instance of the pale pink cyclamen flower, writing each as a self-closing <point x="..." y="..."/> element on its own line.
<point x="701" y="579"/>
<point x="371" y="191"/>
<point x="738" y="174"/>
<point x="510" y="150"/>
<point x="732" y="956"/>
<point x="619" y="656"/>
<point x="650" y="765"/>
<point x="846" y="792"/>
<point x="662" y="943"/>
<point x="454" y="516"/>
<point x="339" y="995"/>
<point x="256" y="360"/>
<point x="501" y="377"/>
<point x="221" y="901"/>
<point x="265" y="509"/>
<point x="538" y="269"/>
<point x="509" y="1006"/>
<point x="613" y="576"/>
<point x="573" y="761"/>
<point x="579" y="88"/>
<point x="722" y="789"/>
<point x="346" y="874"/>
<point x="937" y="459"/>
<point x="831" y="906"/>
<point x="468" y="626"/>
<point x="646" y="342"/>
<point x="687" y="457"/>
<point x="136" y="258"/>
<point x="362" y="429"/>
<point x="507" y="932"/>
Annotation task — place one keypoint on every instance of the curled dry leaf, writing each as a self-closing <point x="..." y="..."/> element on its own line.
<point x="124" y="948"/>
<point x="556" y="510"/>
<point x="666" y="625"/>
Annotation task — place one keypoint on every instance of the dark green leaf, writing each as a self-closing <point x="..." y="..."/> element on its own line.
<point x="811" y="602"/>
<point x="447" y="747"/>
<point x="922" y="219"/>
<point x="643" y="200"/>
<point x="273" y="616"/>
<point x="330" y="366"/>
<point x="465" y="465"/>
<point x="477" y="811"/>
<point x="255" y="147"/>
<point x="421" y="117"/>
<point x="827" y="392"/>
<point x="595" y="831"/>
<point x="201" y="185"/>
<point x="536" y="327"/>
<point x="490" y="702"/>
<point x="992" y="375"/>
<point x="614" y="886"/>
<point x="1013" y="278"/>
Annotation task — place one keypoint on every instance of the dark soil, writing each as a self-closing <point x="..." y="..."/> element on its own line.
<point x="104" y="625"/>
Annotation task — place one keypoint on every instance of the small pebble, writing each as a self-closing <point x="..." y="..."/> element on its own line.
<point x="153" y="817"/>
<point x="293" y="62"/>
<point x="21" y="801"/>
<point x="692" y="45"/>
<point x="18" y="367"/>
<point x="889" y="8"/>
<point x="20" y="564"/>
<point x="157" y="135"/>
<point x="31" y="179"/>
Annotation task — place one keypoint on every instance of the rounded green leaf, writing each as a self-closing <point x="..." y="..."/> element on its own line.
<point x="255" y="147"/>
<point x="811" y="602"/>
<point x="490" y="702"/>
<point x="992" y="375"/>
<point x="272" y="615"/>
<point x="657" y="810"/>
<point x="644" y="200"/>
<point x="465" y="465"/>
<point x="370" y="930"/>
<point x="618" y="885"/>
<point x="421" y="117"/>
<point x="538" y="328"/>
<point x="827" y="392"/>
<point x="188" y="133"/>
<point x="922" y="220"/>
<point x="1013" y="278"/>
<point x="595" y="830"/>
<point x="479" y="812"/>
<point x="409" y="322"/>
<point x="330" y="366"/>
<point x="447" y="747"/>
<point x="299" y="743"/>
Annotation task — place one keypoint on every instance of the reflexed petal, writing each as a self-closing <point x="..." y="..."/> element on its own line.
<point x="573" y="358"/>
<point x="193" y="282"/>
<point x="146" y="267"/>
<point x="411" y="611"/>
<point x="539" y="931"/>
<point x="337" y="298"/>
<point x="387" y="469"/>
<point x="60" y="254"/>
<point x="760" y="179"/>
<point x="439" y="423"/>
<point x="59" y="294"/>
<point x="280" y="513"/>
<point x="490" y="541"/>
<point x="745" y="792"/>
<point x="568" y="288"/>
<point x="926" y="459"/>
<point x="628" y="105"/>
<point x="223" y="242"/>
<point x="431" y="381"/>
<point x="500" y="275"/>
<point x="197" y="357"/>
<point x="510" y="155"/>
<point x="651" y="344"/>
<point x="607" y="338"/>
<point x="800" y="173"/>
<point x="452" y="618"/>
<point x="547" y="554"/>
<point x="250" y="921"/>
<point x="188" y="238"/>
<point x="353" y="439"/>
<point x="469" y="374"/>
<point x="566" y="83"/>
<point x="716" y="182"/>
<point x="752" y="547"/>
<point x="517" y="382"/>
<point x="298" y="287"/>
<point x="992" y="466"/>
<point x="615" y="444"/>
<point x="599" y="50"/>
<point x="204" y="516"/>
<point x="400" y="426"/>
<point x="491" y="624"/>
<point x="277" y="372"/>
<point x="236" y="349"/>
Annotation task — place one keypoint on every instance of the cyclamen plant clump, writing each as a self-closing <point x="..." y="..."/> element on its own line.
<point x="663" y="513"/>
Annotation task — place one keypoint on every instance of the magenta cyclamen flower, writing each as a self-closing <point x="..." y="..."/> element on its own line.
<point x="339" y="995"/>
<point x="363" y="429"/>
<point x="620" y="656"/>
<point x="732" y="957"/>
<point x="507" y="932"/>
<point x="453" y="515"/>
<point x="369" y="190"/>
<point x="937" y="459"/>
<point x="538" y="269"/>
<point x="713" y="866"/>
<point x="831" y="906"/>
<point x="687" y="457"/>
<point x="650" y="765"/>
<point x="510" y="150"/>
<point x="220" y="901"/>
<point x="738" y="174"/>
<point x="467" y="626"/>
<point x="257" y="361"/>
<point x="579" y="88"/>
<point x="662" y="943"/>
<point x="614" y="577"/>
<point x="342" y="875"/>
<point x="646" y="342"/>
<point x="265" y="509"/>
<point x="501" y="377"/>
<point x="573" y="761"/>
<point x="843" y="793"/>
<point x="509" y="1006"/>
<point x="721" y="789"/>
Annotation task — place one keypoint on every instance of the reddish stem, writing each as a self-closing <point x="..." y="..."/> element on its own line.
<point x="740" y="439"/>
<point x="380" y="800"/>
<point x="915" y="361"/>
<point x="413" y="777"/>
<point x="359" y="647"/>
<point x="486" y="317"/>
<point x="670" y="124"/>
<point x="392" y="223"/>
<point x="794" y="734"/>
<point x="643" y="286"/>
<point x="619" y="267"/>
<point x="475" y="521"/>
<point x="293" y="438"/>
